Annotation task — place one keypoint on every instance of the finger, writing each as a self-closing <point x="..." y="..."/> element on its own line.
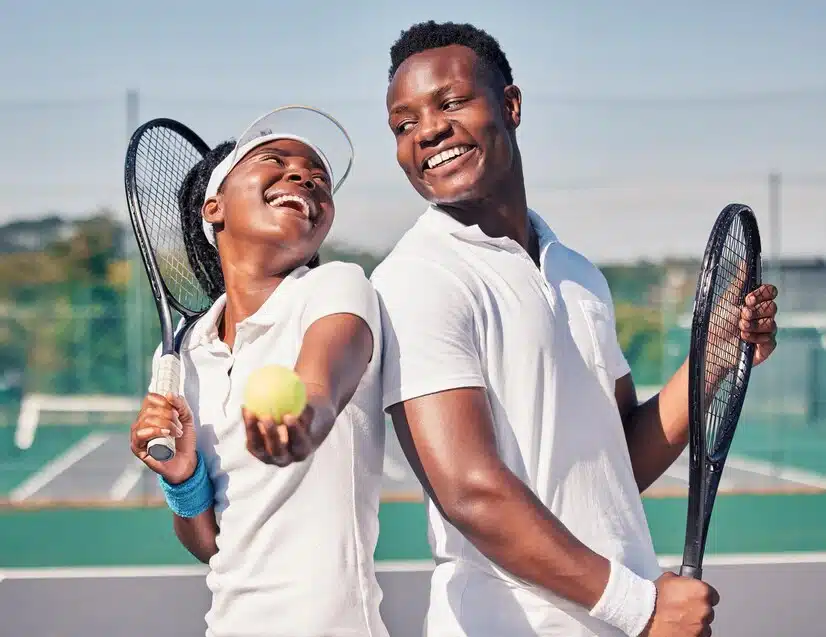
<point x="180" y="405"/>
<point x="765" y="292"/>
<point x="759" y="339"/>
<point x="289" y="422"/>
<point x="145" y="434"/>
<point x="249" y="417"/>
<point x="160" y="411"/>
<point x="713" y="596"/>
<point x="766" y="309"/>
<point x="255" y="441"/>
<point x="759" y="326"/>
<point x="276" y="449"/>
<point x="158" y="422"/>
<point x="156" y="400"/>
<point x="301" y="445"/>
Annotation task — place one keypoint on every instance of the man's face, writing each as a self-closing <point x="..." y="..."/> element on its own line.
<point x="453" y="123"/>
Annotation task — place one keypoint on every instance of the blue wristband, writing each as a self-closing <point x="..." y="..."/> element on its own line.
<point x="191" y="497"/>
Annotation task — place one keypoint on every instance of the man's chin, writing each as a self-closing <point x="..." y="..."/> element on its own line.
<point x="453" y="196"/>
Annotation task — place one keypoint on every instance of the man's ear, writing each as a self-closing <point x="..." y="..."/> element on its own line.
<point x="513" y="106"/>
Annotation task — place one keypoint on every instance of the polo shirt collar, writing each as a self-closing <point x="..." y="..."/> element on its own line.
<point x="441" y="221"/>
<point x="205" y="331"/>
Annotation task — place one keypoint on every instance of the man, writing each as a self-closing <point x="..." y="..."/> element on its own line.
<point x="506" y="384"/>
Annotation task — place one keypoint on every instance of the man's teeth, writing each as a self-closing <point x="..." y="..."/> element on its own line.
<point x="447" y="155"/>
<point x="280" y="201"/>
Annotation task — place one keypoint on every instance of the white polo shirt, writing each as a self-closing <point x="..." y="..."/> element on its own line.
<point x="295" y="548"/>
<point x="462" y="309"/>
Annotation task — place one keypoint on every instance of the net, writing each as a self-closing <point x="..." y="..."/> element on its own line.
<point x="74" y="451"/>
<point x="162" y="162"/>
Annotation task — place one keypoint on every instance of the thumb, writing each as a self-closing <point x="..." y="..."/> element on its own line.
<point x="182" y="407"/>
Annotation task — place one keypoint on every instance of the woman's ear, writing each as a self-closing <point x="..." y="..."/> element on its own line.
<point x="212" y="210"/>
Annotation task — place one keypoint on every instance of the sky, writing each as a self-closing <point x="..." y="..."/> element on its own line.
<point x="641" y="119"/>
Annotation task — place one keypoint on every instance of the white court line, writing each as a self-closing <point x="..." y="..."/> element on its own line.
<point x="679" y="471"/>
<point x="393" y="469"/>
<point x="103" y="572"/>
<point x="769" y="470"/>
<point x="57" y="466"/>
<point x="398" y="566"/>
<point x="127" y="481"/>
<point x="749" y="559"/>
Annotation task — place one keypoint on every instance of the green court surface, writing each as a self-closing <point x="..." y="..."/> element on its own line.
<point x="143" y="536"/>
<point x="17" y="464"/>
<point x="776" y="516"/>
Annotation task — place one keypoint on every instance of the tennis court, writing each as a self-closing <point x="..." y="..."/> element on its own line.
<point x="83" y="464"/>
<point x="761" y="596"/>
<point x="115" y="555"/>
<point x="49" y="459"/>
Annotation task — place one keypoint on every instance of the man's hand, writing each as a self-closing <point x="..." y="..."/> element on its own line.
<point x="757" y="324"/>
<point x="684" y="608"/>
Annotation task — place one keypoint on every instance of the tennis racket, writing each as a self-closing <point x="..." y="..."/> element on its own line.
<point x="159" y="156"/>
<point x="719" y="366"/>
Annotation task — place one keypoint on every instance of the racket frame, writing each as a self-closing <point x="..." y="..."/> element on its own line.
<point x="162" y="449"/>
<point x="704" y="471"/>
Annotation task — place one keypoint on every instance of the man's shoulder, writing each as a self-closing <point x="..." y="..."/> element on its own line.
<point x="417" y="268"/>
<point x="572" y="265"/>
<point x="418" y="255"/>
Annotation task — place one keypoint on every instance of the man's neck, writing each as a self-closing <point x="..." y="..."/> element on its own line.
<point x="503" y="216"/>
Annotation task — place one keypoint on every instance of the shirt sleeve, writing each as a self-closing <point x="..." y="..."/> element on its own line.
<point x="342" y="288"/>
<point x="156" y="357"/>
<point x="615" y="359"/>
<point x="430" y="341"/>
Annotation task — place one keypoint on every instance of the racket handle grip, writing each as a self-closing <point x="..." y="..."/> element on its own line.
<point x="168" y="382"/>
<point x="691" y="571"/>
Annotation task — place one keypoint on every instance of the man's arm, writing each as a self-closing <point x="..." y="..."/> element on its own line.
<point x="198" y="534"/>
<point x="657" y="430"/>
<point x="448" y="438"/>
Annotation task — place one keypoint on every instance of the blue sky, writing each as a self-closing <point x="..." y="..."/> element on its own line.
<point x="645" y="117"/>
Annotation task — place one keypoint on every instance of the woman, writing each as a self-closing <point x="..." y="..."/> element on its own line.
<point x="287" y="523"/>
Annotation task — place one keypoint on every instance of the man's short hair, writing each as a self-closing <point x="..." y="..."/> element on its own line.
<point x="432" y="35"/>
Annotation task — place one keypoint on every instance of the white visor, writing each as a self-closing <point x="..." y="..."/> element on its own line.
<point x="323" y="128"/>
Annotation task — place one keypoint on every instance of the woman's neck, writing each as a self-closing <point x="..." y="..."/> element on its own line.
<point x="246" y="293"/>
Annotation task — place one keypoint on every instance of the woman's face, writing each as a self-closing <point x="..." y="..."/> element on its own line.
<point x="280" y="195"/>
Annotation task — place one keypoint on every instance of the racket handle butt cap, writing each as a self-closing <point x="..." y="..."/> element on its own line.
<point x="161" y="449"/>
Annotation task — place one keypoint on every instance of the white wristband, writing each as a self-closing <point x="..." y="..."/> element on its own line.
<point x="627" y="601"/>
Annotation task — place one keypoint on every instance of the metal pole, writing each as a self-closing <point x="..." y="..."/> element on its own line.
<point x="774" y="215"/>
<point x="776" y="270"/>
<point x="134" y="316"/>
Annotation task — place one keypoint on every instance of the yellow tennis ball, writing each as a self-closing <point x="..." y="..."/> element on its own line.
<point x="273" y="391"/>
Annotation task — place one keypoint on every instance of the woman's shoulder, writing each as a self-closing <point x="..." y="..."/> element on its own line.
<point x="337" y="273"/>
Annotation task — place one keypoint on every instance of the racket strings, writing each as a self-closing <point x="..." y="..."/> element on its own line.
<point x="162" y="162"/>
<point x="724" y="370"/>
